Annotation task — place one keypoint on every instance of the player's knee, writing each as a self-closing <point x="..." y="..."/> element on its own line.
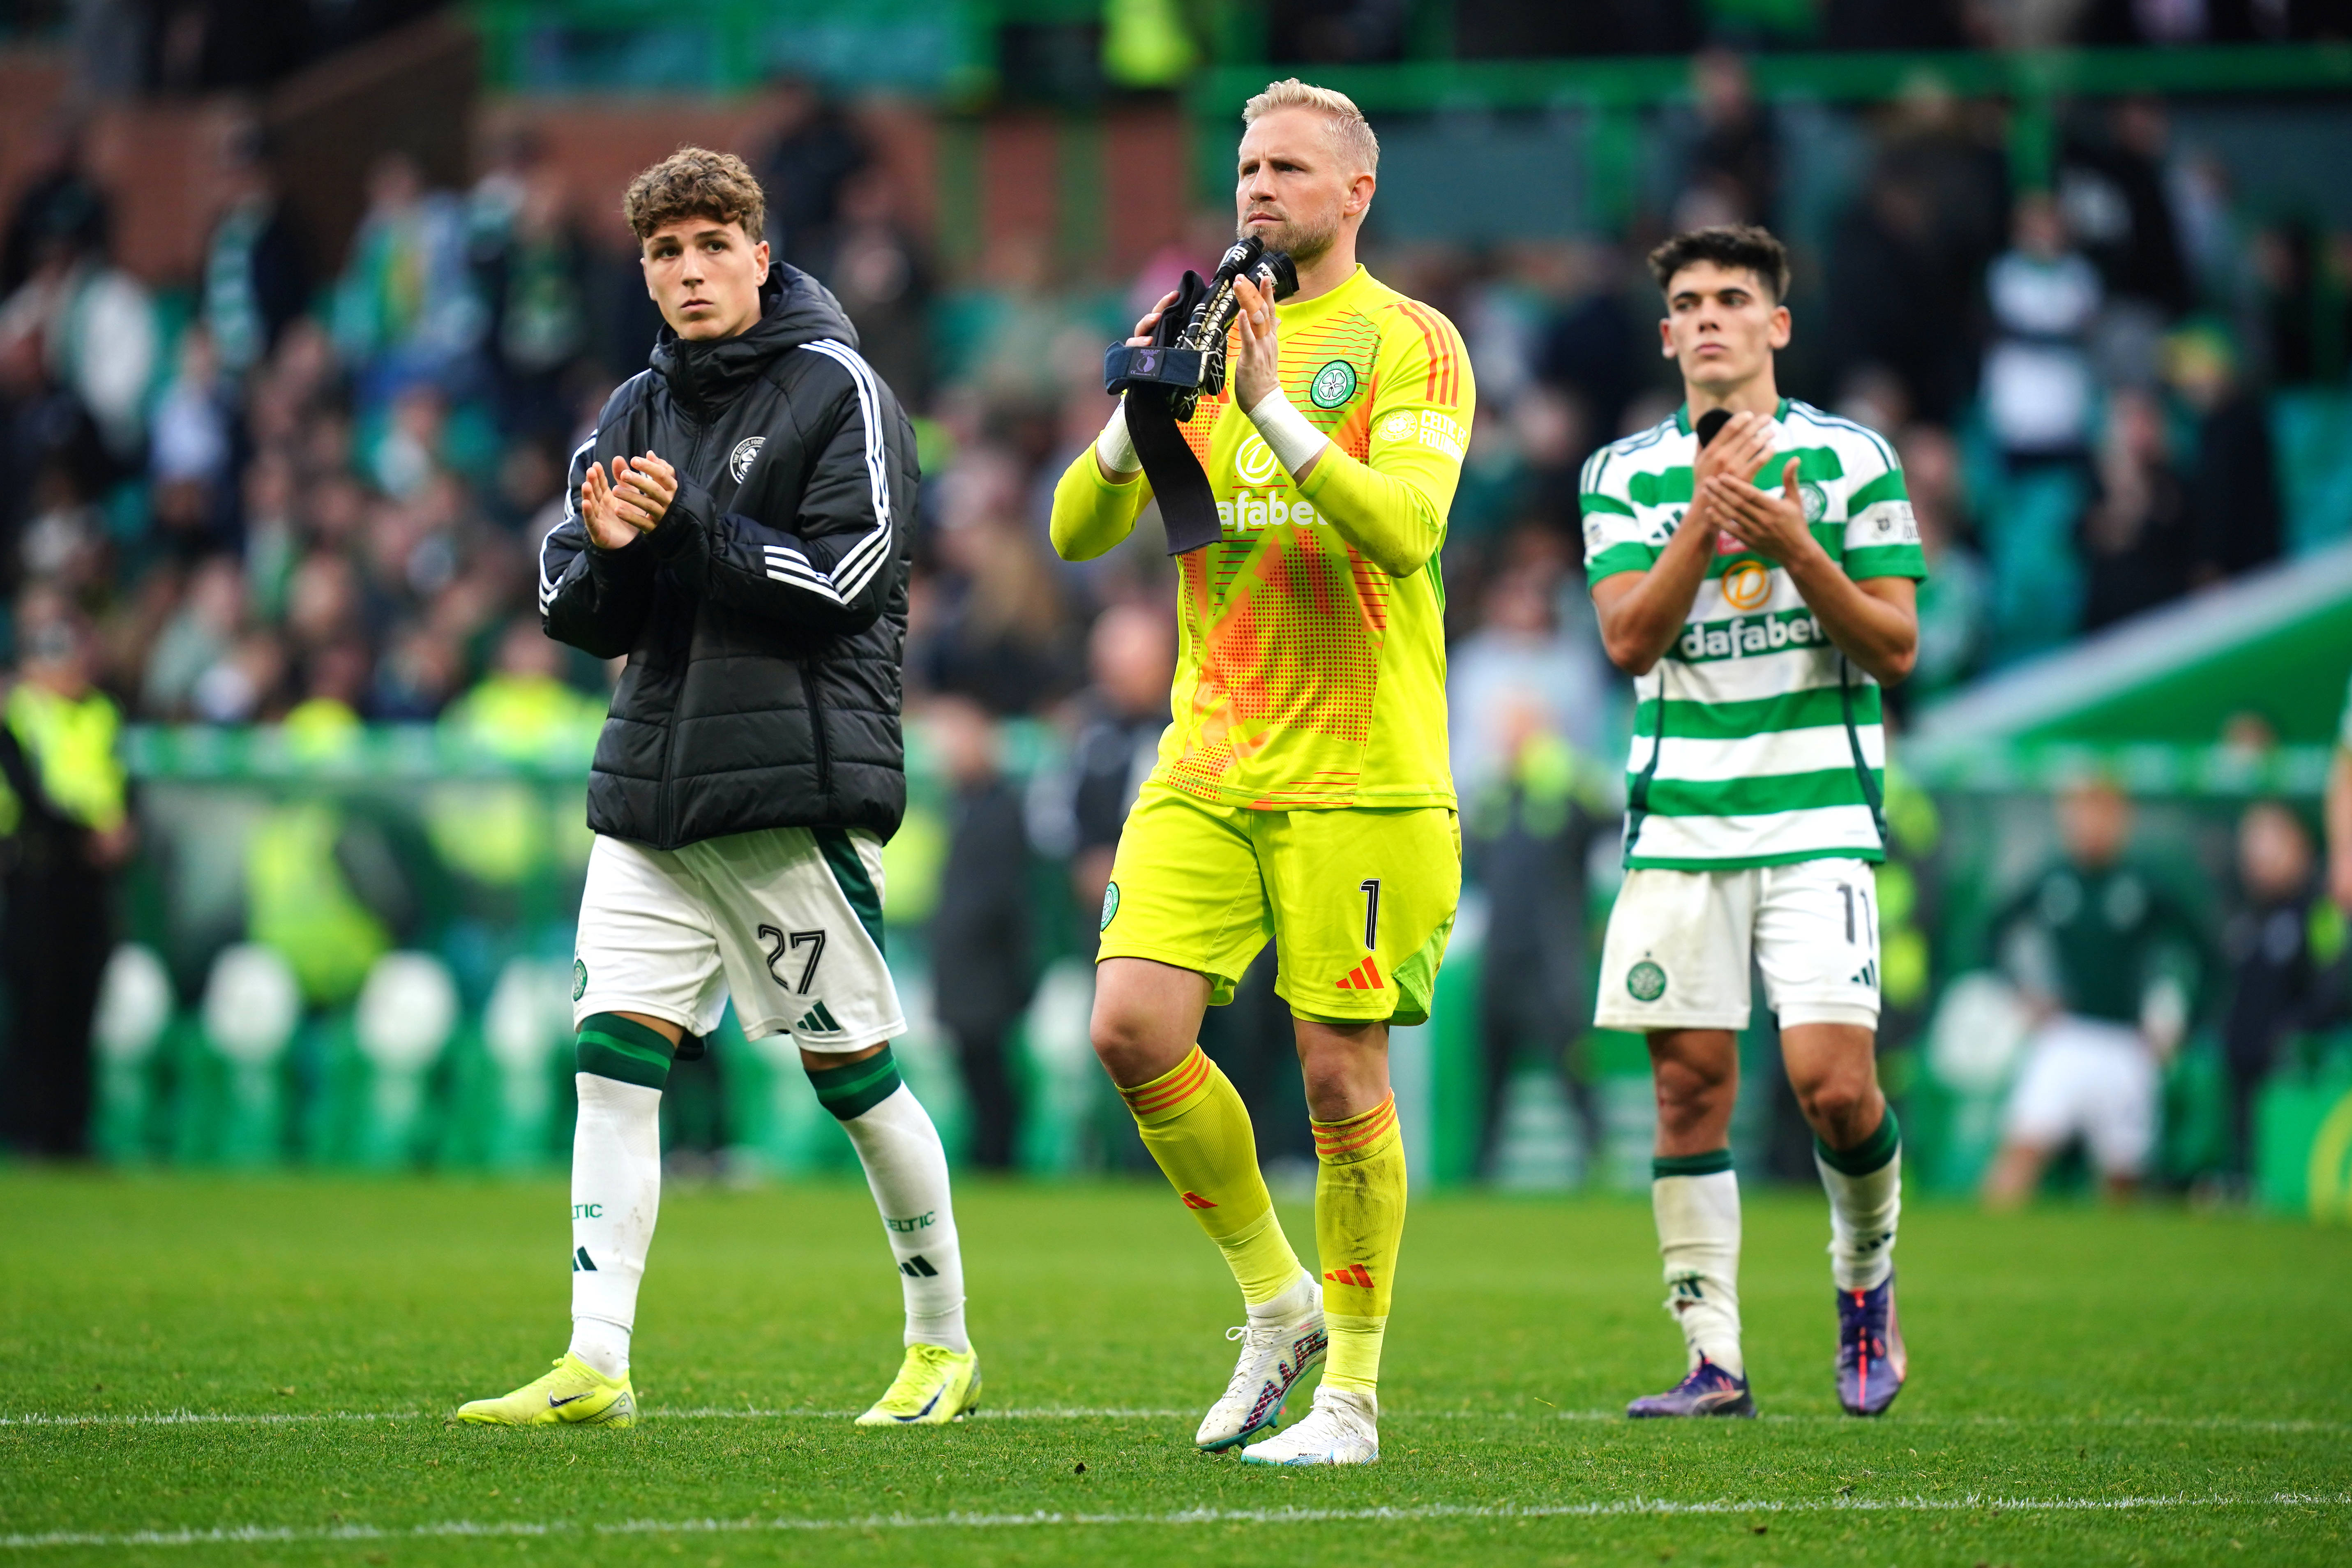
<point x="1113" y="1034"/>
<point x="1333" y="1088"/>
<point x="1127" y="1041"/>
<point x="1836" y="1104"/>
<point x="1689" y="1089"/>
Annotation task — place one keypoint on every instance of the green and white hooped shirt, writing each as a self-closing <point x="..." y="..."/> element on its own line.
<point x="1756" y="742"/>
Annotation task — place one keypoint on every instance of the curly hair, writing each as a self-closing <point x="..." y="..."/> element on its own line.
<point x="695" y="182"/>
<point x="1739" y="248"/>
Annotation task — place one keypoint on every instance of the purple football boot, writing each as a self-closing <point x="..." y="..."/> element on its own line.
<point x="1870" y="1358"/>
<point x="1707" y="1391"/>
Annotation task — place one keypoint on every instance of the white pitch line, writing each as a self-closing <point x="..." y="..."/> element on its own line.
<point x="212" y="1418"/>
<point x="695" y="1413"/>
<point x="1118" y="1413"/>
<point x="1502" y="1512"/>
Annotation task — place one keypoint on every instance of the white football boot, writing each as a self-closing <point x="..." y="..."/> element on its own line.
<point x="1274" y="1356"/>
<point x="1342" y="1429"/>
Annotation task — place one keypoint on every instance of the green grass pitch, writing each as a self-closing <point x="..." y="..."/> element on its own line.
<point x="2148" y="1387"/>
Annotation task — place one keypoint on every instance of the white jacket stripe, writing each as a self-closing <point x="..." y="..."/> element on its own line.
<point x="570" y="514"/>
<point x="859" y="565"/>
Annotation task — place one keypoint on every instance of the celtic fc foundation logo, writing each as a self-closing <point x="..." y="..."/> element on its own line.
<point x="1646" y="982"/>
<point x="1110" y="905"/>
<point x="578" y="979"/>
<point x="747" y="451"/>
<point x="1334" y="385"/>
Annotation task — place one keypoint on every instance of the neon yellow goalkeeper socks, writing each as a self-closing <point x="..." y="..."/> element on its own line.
<point x="1360" y="1192"/>
<point x="1195" y="1125"/>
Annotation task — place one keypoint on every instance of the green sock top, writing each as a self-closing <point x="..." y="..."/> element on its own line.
<point x="1714" y="1162"/>
<point x="610" y="1046"/>
<point x="853" y="1088"/>
<point x="1871" y="1154"/>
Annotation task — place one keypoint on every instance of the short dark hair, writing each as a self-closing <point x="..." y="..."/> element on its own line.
<point x="695" y="182"/>
<point x="1739" y="246"/>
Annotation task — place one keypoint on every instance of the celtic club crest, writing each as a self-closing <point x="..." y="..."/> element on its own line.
<point x="1333" y="385"/>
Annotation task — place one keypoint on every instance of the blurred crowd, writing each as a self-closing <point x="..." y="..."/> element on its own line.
<point x="290" y="485"/>
<point x="308" y="489"/>
<point x="2076" y="375"/>
<point x="1360" y="31"/>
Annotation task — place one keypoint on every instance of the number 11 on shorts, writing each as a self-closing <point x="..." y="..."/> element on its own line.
<point x="1869" y="924"/>
<point x="1371" y="889"/>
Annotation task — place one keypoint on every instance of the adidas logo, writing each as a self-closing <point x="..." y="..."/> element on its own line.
<point x="1365" y="976"/>
<point x="917" y="1267"/>
<point x="818" y="1022"/>
<point x="582" y="1263"/>
<point x="1195" y="1201"/>
<point x="1354" y="1274"/>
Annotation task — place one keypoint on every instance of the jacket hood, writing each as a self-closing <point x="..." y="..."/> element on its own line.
<point x="795" y="308"/>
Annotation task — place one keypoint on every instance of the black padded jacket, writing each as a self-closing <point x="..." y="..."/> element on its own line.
<point x="765" y="620"/>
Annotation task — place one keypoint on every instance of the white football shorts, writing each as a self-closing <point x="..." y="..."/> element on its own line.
<point x="2089" y="1078"/>
<point x="788" y="920"/>
<point x="1679" y="944"/>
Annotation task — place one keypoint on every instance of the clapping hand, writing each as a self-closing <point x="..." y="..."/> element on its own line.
<point x="633" y="501"/>
<point x="1150" y="318"/>
<point x="1738" y="450"/>
<point x="1772" y="524"/>
<point x="1258" y="362"/>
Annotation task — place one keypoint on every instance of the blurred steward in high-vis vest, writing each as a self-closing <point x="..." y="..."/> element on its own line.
<point x="65" y="828"/>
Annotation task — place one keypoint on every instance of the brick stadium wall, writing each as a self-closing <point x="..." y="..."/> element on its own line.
<point x="32" y="85"/>
<point x="1147" y="174"/>
<point x="1110" y="189"/>
<point x="599" y="144"/>
<point x="159" y="162"/>
<point x="161" y="159"/>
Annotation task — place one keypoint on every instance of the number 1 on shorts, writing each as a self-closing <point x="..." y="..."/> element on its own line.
<point x="1371" y="889"/>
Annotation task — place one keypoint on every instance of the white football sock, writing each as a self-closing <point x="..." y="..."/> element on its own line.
<point x="1863" y="1212"/>
<point x="1698" y="1237"/>
<point x="907" y="1168"/>
<point x="603" y="1346"/>
<point x="616" y="1196"/>
<point x="1291" y="1305"/>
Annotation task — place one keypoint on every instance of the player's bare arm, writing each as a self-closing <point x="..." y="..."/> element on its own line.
<point x="1875" y="623"/>
<point x="1641" y="613"/>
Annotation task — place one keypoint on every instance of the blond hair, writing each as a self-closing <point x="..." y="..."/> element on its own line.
<point x="695" y="182"/>
<point x="1351" y="134"/>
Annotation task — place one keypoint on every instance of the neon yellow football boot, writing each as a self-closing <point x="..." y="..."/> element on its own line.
<point x="934" y="1385"/>
<point x="573" y="1393"/>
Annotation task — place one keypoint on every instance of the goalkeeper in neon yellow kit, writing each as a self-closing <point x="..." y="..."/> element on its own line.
<point x="1302" y="791"/>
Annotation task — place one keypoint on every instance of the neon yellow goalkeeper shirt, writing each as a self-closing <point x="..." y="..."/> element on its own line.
<point x="1311" y="669"/>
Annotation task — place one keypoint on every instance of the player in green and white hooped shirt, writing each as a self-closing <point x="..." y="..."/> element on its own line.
<point x="1759" y="624"/>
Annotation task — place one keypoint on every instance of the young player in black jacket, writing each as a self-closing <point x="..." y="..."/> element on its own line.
<point x="738" y="530"/>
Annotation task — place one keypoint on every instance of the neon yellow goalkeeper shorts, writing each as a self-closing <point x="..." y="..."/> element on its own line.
<point x="1358" y="901"/>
